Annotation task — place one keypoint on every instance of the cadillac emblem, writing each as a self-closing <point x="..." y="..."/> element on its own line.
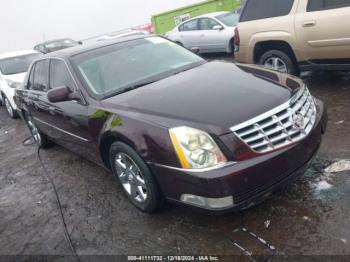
<point x="298" y="121"/>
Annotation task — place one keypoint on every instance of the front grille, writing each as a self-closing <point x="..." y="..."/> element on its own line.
<point x="281" y="126"/>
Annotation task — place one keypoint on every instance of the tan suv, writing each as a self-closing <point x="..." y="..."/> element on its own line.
<point x="295" y="35"/>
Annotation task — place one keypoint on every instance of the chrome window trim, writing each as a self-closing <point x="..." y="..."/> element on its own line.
<point x="30" y="72"/>
<point x="72" y="76"/>
<point x="59" y="129"/>
<point x="84" y="102"/>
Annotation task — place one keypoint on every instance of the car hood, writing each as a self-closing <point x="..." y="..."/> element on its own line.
<point x="213" y="97"/>
<point x="16" y="77"/>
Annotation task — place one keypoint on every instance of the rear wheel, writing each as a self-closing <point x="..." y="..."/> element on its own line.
<point x="40" y="139"/>
<point x="279" y="61"/>
<point x="135" y="177"/>
<point x="12" y="112"/>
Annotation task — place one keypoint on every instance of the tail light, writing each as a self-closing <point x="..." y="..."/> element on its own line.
<point x="237" y="40"/>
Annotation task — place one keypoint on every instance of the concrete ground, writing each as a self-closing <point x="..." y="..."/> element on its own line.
<point x="310" y="217"/>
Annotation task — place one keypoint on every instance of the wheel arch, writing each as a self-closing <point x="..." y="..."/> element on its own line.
<point x="106" y="142"/>
<point x="264" y="46"/>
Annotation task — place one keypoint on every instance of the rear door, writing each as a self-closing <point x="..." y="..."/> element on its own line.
<point x="35" y="95"/>
<point x="322" y="30"/>
<point x="211" y="40"/>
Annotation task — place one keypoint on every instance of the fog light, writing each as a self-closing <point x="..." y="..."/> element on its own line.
<point x="208" y="203"/>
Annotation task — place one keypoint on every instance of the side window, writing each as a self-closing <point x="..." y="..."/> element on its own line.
<point x="190" y="26"/>
<point x="41" y="76"/>
<point x="319" y="5"/>
<point x="30" y="82"/>
<point x="257" y="9"/>
<point x="59" y="75"/>
<point x="207" y="24"/>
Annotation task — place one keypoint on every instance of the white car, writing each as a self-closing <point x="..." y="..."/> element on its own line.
<point x="124" y="33"/>
<point x="213" y="32"/>
<point x="13" y="68"/>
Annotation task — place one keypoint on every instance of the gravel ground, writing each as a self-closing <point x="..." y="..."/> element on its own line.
<point x="310" y="217"/>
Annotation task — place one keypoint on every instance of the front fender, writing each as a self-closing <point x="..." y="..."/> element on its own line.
<point x="282" y="36"/>
<point x="151" y="141"/>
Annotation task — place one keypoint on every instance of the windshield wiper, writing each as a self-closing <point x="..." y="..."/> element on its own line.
<point x="188" y="68"/>
<point x="129" y="88"/>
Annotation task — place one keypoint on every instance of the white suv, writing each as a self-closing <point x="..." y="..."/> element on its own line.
<point x="13" y="68"/>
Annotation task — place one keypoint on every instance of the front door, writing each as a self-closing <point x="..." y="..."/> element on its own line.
<point x="189" y="34"/>
<point x="211" y="40"/>
<point x="69" y="119"/>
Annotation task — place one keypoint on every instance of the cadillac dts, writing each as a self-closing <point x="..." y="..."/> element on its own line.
<point x="172" y="126"/>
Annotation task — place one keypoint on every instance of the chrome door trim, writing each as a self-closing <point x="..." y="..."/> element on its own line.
<point x="61" y="130"/>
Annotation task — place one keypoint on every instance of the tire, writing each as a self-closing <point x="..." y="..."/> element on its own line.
<point x="232" y="46"/>
<point x="12" y="112"/>
<point x="135" y="178"/>
<point x="40" y="139"/>
<point x="285" y="62"/>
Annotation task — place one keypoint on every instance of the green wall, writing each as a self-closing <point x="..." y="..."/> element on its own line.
<point x="165" y="22"/>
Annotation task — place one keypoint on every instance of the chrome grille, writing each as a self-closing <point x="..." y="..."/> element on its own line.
<point x="281" y="126"/>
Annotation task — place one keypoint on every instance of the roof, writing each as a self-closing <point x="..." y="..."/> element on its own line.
<point x="209" y="15"/>
<point x="18" y="53"/>
<point x="71" y="51"/>
<point x="55" y="40"/>
<point x="195" y="5"/>
<point x="212" y="15"/>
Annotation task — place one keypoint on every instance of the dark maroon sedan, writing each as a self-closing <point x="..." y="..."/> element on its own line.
<point x="170" y="125"/>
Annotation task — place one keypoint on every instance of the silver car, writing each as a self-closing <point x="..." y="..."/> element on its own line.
<point x="213" y="32"/>
<point x="123" y="33"/>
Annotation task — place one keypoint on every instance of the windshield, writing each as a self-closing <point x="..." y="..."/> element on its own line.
<point x="120" y="67"/>
<point x="16" y="65"/>
<point x="229" y="19"/>
<point x="62" y="44"/>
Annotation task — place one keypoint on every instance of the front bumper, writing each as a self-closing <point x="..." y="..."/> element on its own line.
<point x="248" y="182"/>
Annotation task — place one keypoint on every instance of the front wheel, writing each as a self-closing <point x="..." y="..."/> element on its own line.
<point x="135" y="177"/>
<point x="279" y="61"/>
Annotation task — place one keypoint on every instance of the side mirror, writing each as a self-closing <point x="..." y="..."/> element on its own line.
<point x="218" y="27"/>
<point x="195" y="50"/>
<point x="61" y="94"/>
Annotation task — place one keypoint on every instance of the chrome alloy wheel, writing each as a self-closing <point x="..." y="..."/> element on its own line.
<point x="8" y="107"/>
<point x="35" y="131"/>
<point x="276" y="63"/>
<point x="131" y="177"/>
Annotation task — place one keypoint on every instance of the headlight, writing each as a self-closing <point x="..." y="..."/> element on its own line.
<point x="13" y="84"/>
<point x="195" y="148"/>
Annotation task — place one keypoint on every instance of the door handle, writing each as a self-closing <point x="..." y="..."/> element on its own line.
<point x="309" y="23"/>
